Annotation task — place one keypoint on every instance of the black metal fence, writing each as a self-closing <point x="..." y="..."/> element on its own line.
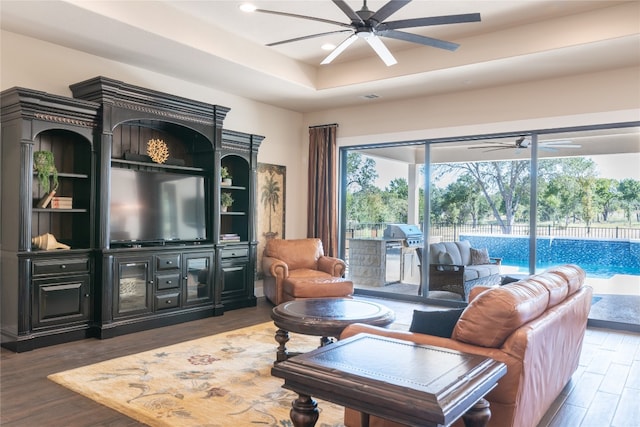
<point x="447" y="232"/>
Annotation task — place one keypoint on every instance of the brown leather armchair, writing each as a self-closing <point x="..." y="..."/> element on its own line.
<point x="298" y="268"/>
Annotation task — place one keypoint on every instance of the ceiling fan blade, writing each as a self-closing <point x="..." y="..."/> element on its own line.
<point x="381" y="50"/>
<point x="561" y="145"/>
<point x="310" y="18"/>
<point x="351" y="14"/>
<point x="389" y="9"/>
<point x="416" y="38"/>
<point x="430" y="21"/>
<point x="484" y="147"/>
<point x="339" y="49"/>
<point x="308" y="37"/>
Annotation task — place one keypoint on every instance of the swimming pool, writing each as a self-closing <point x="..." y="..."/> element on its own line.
<point x="599" y="258"/>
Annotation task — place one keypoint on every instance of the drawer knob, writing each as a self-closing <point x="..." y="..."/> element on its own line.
<point x="63" y="266"/>
<point x="168" y="301"/>
<point x="168" y="282"/>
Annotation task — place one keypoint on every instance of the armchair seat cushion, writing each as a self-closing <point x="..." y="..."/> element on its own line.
<point x="317" y="287"/>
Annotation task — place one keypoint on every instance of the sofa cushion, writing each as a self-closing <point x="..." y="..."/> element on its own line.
<point x="573" y="275"/>
<point x="555" y="284"/>
<point x="439" y="322"/>
<point x="445" y="258"/>
<point x="464" y="249"/>
<point x="494" y="314"/>
<point x="480" y="271"/>
<point x="479" y="256"/>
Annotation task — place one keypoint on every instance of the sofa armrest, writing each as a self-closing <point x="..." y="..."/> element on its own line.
<point x="477" y="290"/>
<point x="423" y="339"/>
<point x="333" y="266"/>
<point x="448" y="268"/>
<point x="275" y="267"/>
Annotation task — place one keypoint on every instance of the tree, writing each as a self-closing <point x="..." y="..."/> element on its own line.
<point x="509" y="179"/>
<point x="606" y="193"/>
<point x="361" y="172"/>
<point x="587" y="199"/>
<point x="630" y="196"/>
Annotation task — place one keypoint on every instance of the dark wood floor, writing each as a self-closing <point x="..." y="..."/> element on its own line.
<point x="603" y="392"/>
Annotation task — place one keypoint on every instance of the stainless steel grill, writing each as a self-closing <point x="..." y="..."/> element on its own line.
<point x="410" y="234"/>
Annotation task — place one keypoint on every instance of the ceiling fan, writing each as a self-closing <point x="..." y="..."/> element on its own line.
<point x="524" y="142"/>
<point x="370" y="26"/>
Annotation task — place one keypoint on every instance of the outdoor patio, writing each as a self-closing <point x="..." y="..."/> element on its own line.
<point x="615" y="299"/>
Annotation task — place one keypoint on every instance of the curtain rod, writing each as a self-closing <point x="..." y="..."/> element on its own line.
<point x="324" y="126"/>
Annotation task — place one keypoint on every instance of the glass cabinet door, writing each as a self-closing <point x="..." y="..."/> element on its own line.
<point x="197" y="277"/>
<point x="133" y="286"/>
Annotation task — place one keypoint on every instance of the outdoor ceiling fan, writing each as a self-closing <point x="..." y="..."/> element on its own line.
<point x="370" y="26"/>
<point x="524" y="142"/>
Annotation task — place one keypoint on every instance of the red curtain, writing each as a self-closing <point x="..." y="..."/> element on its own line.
<point x="322" y="205"/>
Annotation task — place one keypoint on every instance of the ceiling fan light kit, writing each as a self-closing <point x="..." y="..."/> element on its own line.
<point x="370" y="26"/>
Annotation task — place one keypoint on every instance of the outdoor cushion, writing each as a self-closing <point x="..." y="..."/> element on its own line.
<point x="479" y="256"/>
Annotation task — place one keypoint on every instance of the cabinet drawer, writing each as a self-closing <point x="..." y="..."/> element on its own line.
<point x="60" y="266"/>
<point x="167" y="262"/>
<point x="165" y="301"/>
<point x="167" y="281"/>
<point x="234" y="253"/>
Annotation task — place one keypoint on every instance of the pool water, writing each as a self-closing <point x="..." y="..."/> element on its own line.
<point x="596" y="271"/>
<point x="599" y="258"/>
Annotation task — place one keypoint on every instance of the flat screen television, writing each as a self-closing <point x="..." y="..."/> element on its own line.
<point x="156" y="207"/>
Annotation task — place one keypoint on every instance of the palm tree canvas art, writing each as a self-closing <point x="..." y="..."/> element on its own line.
<point x="271" y="213"/>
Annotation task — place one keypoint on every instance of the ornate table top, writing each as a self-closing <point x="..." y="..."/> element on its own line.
<point x="328" y="316"/>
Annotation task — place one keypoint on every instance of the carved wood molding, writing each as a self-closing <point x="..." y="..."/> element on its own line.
<point x="65" y="120"/>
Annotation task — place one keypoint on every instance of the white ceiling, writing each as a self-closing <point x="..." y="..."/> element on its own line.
<point x="213" y="43"/>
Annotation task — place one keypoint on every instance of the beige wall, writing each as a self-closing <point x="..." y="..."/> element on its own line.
<point x="604" y="97"/>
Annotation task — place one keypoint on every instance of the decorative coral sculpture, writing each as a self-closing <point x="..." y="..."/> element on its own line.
<point x="48" y="242"/>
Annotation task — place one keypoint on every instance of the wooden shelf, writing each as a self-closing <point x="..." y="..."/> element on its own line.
<point x="232" y="187"/>
<point x="70" y="175"/>
<point x="49" y="210"/>
<point x="156" y="165"/>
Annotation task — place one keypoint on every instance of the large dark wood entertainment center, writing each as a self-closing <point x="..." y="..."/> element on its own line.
<point x="111" y="281"/>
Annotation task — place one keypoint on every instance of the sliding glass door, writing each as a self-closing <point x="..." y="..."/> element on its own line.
<point x="531" y="199"/>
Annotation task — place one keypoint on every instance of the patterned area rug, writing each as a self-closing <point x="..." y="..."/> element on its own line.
<point x="219" y="381"/>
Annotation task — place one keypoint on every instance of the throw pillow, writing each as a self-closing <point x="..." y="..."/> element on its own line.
<point x="479" y="256"/>
<point x="439" y="323"/>
<point x="445" y="258"/>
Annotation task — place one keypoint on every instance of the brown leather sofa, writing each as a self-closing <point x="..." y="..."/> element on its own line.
<point x="535" y="326"/>
<point x="298" y="268"/>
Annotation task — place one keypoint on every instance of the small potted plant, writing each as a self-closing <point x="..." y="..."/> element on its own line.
<point x="45" y="169"/>
<point x="225" y="201"/>
<point x="225" y="176"/>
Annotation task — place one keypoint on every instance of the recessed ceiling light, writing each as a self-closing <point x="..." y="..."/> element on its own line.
<point x="248" y="7"/>
<point x="328" y="46"/>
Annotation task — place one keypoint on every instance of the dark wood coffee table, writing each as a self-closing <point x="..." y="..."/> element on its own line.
<point x="412" y="384"/>
<point x="324" y="317"/>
